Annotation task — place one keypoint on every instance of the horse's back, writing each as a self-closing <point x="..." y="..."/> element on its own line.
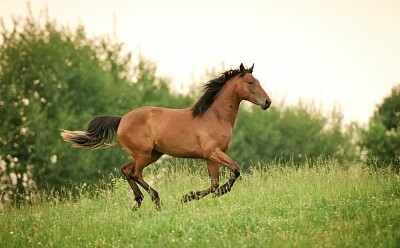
<point x="154" y="116"/>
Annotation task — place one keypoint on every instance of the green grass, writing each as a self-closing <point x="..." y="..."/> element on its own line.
<point x="329" y="205"/>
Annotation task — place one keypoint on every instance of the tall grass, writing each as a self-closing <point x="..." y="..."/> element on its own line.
<point x="323" y="205"/>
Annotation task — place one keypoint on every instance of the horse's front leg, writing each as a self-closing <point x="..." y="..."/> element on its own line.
<point x="213" y="172"/>
<point x="220" y="157"/>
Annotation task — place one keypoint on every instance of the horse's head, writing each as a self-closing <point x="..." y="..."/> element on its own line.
<point x="249" y="88"/>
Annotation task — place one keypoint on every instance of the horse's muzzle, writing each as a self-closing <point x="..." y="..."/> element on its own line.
<point x="265" y="105"/>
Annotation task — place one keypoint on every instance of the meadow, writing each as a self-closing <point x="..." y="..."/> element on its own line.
<point x="325" y="204"/>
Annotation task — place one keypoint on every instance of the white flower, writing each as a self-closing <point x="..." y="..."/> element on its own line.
<point x="53" y="159"/>
<point x="24" y="130"/>
<point x="2" y="165"/>
<point x="25" y="101"/>
<point x="13" y="178"/>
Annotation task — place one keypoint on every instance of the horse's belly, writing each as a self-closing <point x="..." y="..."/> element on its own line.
<point x="179" y="150"/>
<point x="189" y="145"/>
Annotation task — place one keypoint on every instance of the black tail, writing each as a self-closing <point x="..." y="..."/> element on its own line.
<point x="100" y="132"/>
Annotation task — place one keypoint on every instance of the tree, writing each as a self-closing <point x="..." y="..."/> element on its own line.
<point x="292" y="133"/>
<point x="389" y="110"/>
<point x="381" y="139"/>
<point x="51" y="78"/>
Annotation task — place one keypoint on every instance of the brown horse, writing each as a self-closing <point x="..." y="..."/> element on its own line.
<point x="203" y="131"/>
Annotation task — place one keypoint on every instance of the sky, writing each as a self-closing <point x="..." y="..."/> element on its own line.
<point x="343" y="53"/>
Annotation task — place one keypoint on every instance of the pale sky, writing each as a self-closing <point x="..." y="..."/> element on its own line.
<point x="344" y="53"/>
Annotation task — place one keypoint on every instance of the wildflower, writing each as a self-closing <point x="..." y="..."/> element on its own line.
<point x="2" y="165"/>
<point x="25" y="101"/>
<point x="53" y="159"/>
<point x="24" y="130"/>
<point x="14" y="178"/>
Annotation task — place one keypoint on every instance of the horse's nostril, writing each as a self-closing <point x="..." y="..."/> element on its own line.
<point x="268" y="102"/>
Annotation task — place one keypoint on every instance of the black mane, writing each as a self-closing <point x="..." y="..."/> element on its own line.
<point x="211" y="88"/>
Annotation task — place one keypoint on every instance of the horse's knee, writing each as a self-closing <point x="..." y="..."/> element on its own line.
<point x="236" y="172"/>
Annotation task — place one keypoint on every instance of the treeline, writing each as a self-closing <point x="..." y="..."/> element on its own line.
<point x="54" y="78"/>
<point x="294" y="134"/>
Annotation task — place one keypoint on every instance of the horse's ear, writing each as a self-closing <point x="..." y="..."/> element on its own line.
<point x="251" y="68"/>
<point x="241" y="68"/>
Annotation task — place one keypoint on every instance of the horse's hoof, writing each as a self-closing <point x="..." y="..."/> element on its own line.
<point x="135" y="206"/>
<point x="157" y="204"/>
<point x="221" y="191"/>
<point x="191" y="196"/>
<point x="185" y="198"/>
<point x="157" y="207"/>
<point x="217" y="192"/>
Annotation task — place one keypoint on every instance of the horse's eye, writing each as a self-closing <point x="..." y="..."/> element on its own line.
<point x="250" y="82"/>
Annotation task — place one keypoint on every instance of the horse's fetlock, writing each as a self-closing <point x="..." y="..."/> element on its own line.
<point x="154" y="197"/>
<point x="214" y="185"/>
<point x="139" y="199"/>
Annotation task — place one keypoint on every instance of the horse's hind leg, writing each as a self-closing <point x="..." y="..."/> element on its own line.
<point x="213" y="172"/>
<point x="126" y="169"/>
<point x="136" y="174"/>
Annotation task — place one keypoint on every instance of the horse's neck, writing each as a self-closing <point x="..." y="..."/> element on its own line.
<point x="226" y="104"/>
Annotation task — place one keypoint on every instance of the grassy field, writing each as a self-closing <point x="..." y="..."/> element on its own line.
<point x="328" y="205"/>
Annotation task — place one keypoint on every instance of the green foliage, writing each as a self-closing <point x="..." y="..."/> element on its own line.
<point x="53" y="78"/>
<point x="274" y="205"/>
<point x="381" y="140"/>
<point x="295" y="134"/>
<point x="389" y="110"/>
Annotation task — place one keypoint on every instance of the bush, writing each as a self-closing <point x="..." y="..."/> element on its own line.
<point x="294" y="133"/>
<point x="381" y="139"/>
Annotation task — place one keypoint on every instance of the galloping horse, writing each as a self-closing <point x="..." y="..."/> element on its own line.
<point x="203" y="131"/>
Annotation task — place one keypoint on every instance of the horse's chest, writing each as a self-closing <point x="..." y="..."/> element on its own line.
<point x="224" y="138"/>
